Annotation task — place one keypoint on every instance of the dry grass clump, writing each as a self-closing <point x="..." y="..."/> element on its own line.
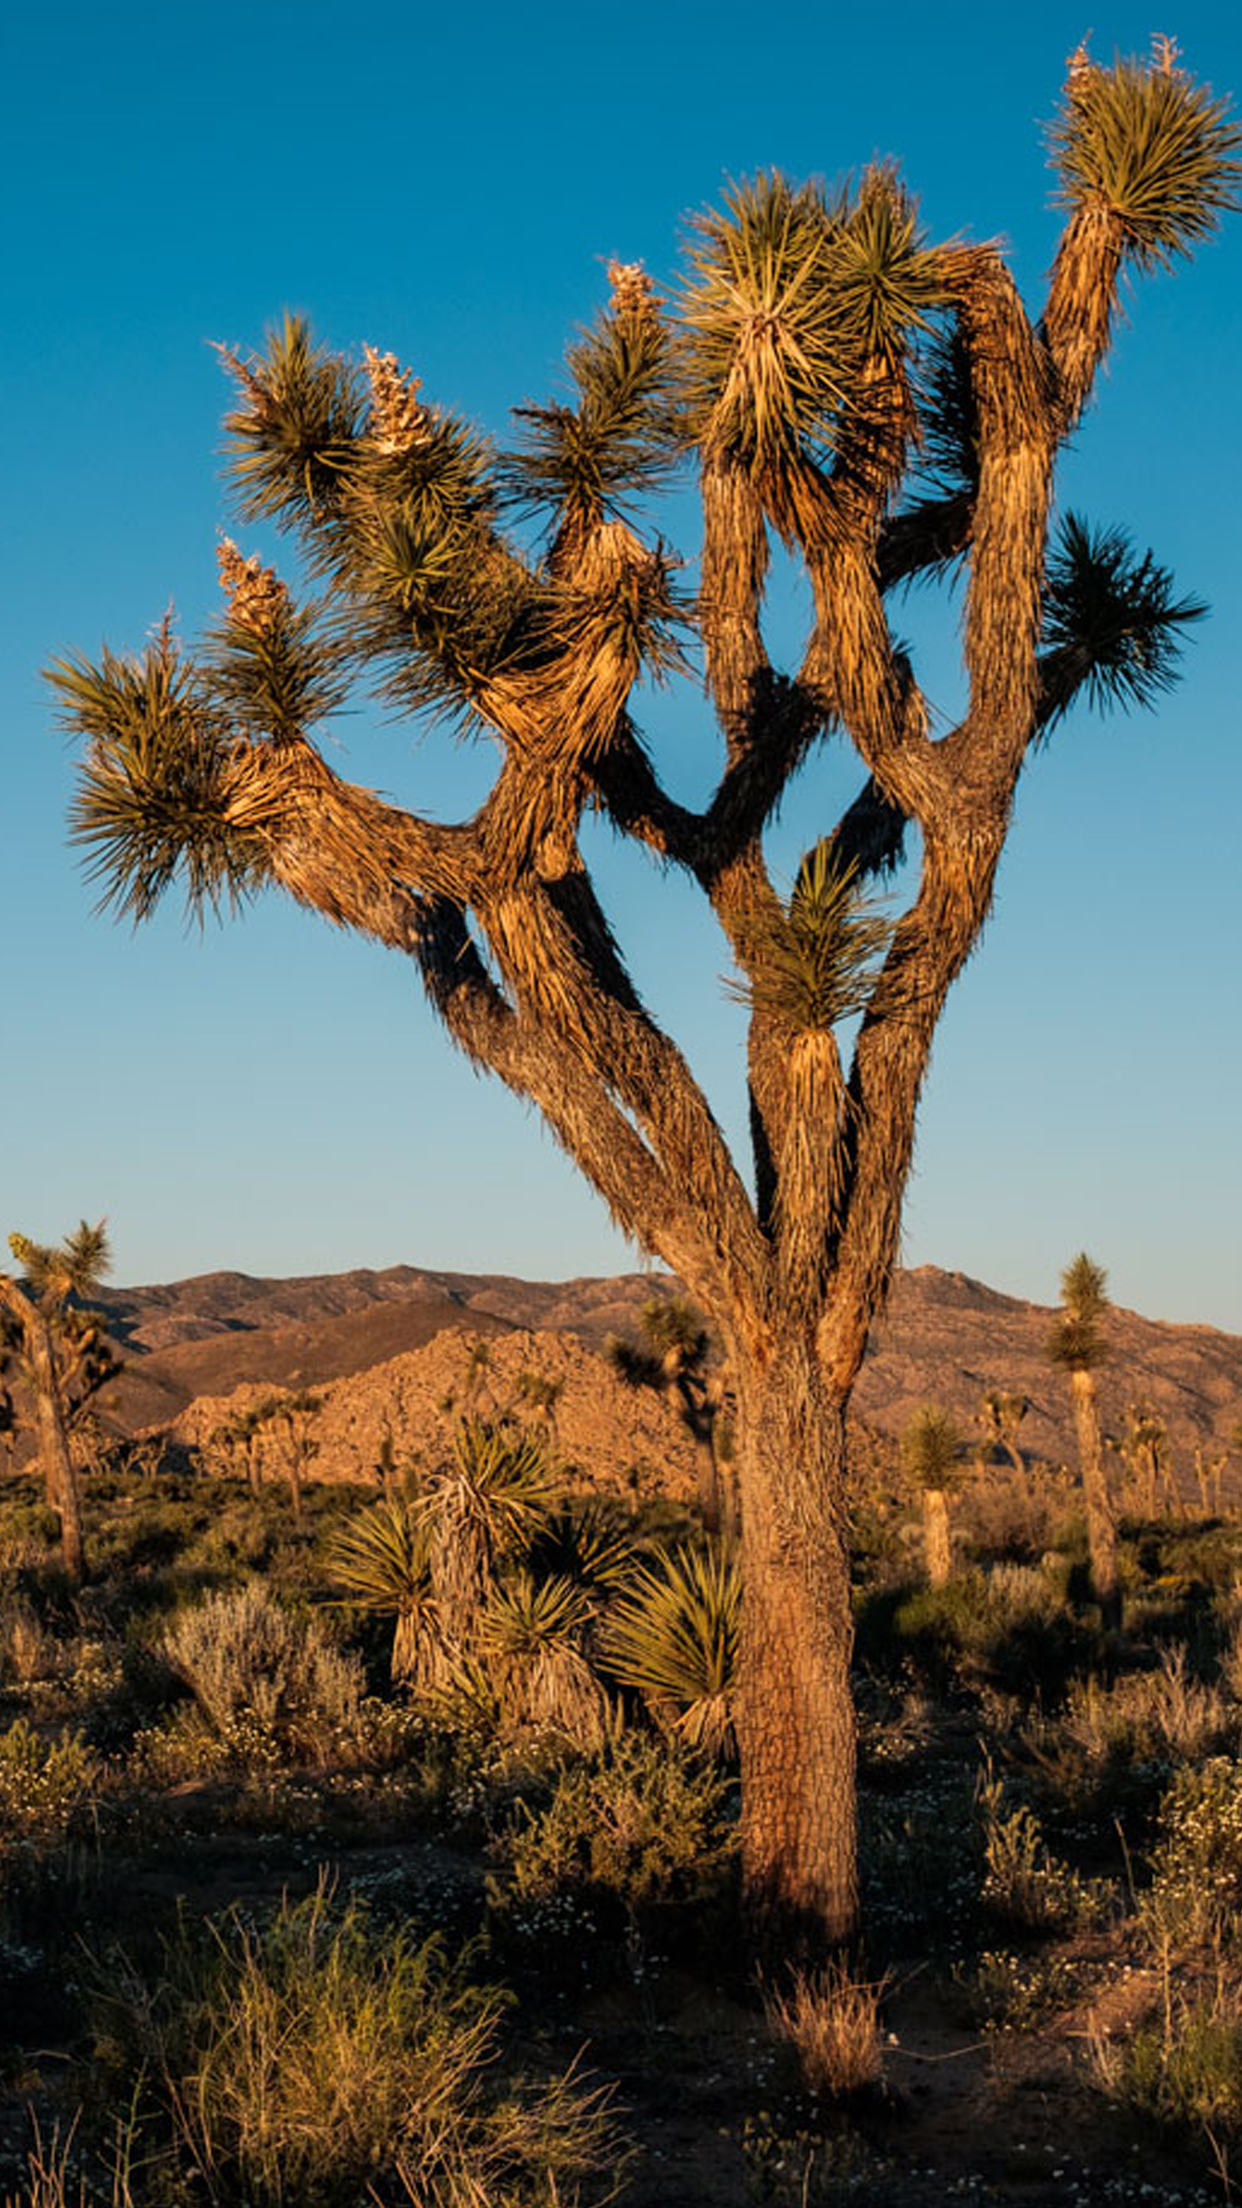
<point x="832" y="2019"/>
<point x="28" y="1652"/>
<point x="322" y="2059"/>
<point x="1166" y="1713"/>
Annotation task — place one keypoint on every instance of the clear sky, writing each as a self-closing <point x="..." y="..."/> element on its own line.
<point x="448" y="184"/>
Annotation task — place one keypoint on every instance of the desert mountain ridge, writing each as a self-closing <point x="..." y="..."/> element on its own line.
<point x="366" y="1336"/>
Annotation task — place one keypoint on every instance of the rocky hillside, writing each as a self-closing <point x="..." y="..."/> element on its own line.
<point x="401" y="1337"/>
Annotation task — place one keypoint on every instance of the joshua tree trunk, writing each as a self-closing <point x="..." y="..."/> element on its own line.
<point x="936" y="1544"/>
<point x="795" y="1721"/>
<point x="59" y="1470"/>
<point x="1101" y="1528"/>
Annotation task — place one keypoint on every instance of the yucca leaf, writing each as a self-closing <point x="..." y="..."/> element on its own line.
<point x="815" y="961"/>
<point x="152" y="797"/>
<point x="1112" y="625"/>
<point x="292" y="436"/>
<point x="1144" y="141"/>
<point x="674" y="1635"/>
<point x="932" y="1448"/>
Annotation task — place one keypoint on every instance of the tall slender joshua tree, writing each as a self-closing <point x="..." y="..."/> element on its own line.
<point x="59" y="1343"/>
<point x="886" y="408"/>
<point x="1076" y="1343"/>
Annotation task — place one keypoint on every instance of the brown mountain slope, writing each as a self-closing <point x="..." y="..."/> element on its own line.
<point x="945" y="1339"/>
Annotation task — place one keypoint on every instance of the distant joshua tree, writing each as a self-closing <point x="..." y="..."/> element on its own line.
<point x="1144" y="1448"/>
<point x="63" y="1356"/>
<point x="672" y="1360"/>
<point x="1000" y="1415"/>
<point x="1076" y="1343"/>
<point x="932" y="1451"/>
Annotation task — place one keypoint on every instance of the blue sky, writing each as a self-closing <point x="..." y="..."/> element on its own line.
<point x="275" y="1097"/>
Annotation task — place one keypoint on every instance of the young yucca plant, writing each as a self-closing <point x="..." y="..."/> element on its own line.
<point x="674" y="1637"/>
<point x="484" y="1504"/>
<point x="381" y="1561"/>
<point x="583" y="1547"/>
<point x="531" y="1634"/>
<point x="932" y="1451"/>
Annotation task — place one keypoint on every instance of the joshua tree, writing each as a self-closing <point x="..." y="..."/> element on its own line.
<point x="295" y="1414"/>
<point x="932" y="1450"/>
<point x="1144" y="1447"/>
<point x="1000" y="1416"/>
<point x="64" y="1356"/>
<point x="672" y="1359"/>
<point x="885" y="407"/>
<point x="1077" y="1344"/>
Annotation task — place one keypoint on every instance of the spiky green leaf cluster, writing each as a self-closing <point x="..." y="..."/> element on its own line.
<point x="278" y="679"/>
<point x="381" y="1559"/>
<point x="525" y="1616"/>
<point x="498" y="1480"/>
<point x="151" y="799"/>
<point x="674" y="1325"/>
<point x="1076" y="1340"/>
<point x="815" y="961"/>
<point x="789" y="300"/>
<point x="932" y="1448"/>
<point x="581" y="1545"/>
<point x="291" y="437"/>
<point x="674" y="1637"/>
<point x="588" y="461"/>
<point x="72" y="1267"/>
<point x="949" y="414"/>
<point x="1144" y="141"/>
<point x="1112" y="625"/>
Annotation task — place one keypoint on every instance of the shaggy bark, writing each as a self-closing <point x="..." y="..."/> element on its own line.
<point x="795" y="1723"/>
<point x="937" y="1547"/>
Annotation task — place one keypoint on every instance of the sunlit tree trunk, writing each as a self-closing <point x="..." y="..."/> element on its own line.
<point x="59" y="1471"/>
<point x="1101" y="1526"/>
<point x="795" y="1721"/>
<point x="937" y="1547"/>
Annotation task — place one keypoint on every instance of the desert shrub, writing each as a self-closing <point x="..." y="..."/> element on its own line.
<point x="1006" y="1627"/>
<point x="1195" y="1895"/>
<point x="1024" y="1882"/>
<point x="256" y="1672"/>
<point x="1184" y="2072"/>
<point x="322" y="2057"/>
<point x="47" y="1786"/>
<point x="641" y="1820"/>
<point x="1002" y="1515"/>
<point x="28" y="1652"/>
<point x="1165" y="1713"/>
<point x="832" y="2020"/>
<point x="1018" y="1993"/>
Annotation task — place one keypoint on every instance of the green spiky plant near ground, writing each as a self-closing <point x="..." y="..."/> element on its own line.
<point x="883" y="406"/>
